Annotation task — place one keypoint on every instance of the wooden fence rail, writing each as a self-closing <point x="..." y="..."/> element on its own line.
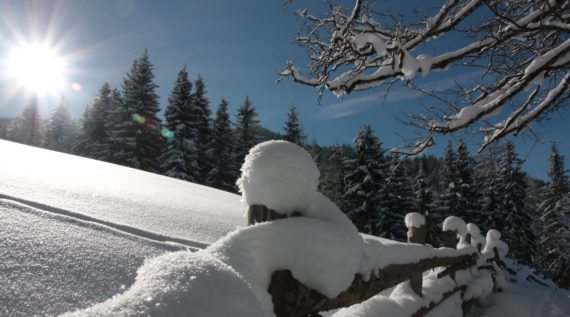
<point x="291" y="298"/>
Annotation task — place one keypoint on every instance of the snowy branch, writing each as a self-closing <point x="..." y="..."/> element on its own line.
<point x="521" y="44"/>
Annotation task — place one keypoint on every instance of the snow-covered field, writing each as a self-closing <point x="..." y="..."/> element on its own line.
<point x="74" y="233"/>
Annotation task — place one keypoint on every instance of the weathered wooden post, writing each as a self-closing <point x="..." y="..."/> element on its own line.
<point x="417" y="232"/>
<point x="260" y="213"/>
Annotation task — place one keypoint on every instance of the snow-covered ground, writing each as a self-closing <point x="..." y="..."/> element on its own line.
<point x="118" y="195"/>
<point x="74" y="233"/>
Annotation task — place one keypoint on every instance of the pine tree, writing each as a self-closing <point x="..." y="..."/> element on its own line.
<point x="424" y="200"/>
<point x="489" y="200"/>
<point x="247" y="130"/>
<point x="554" y="248"/>
<point x="28" y="127"/>
<point x="62" y="129"/>
<point x="224" y="172"/>
<point x="398" y="200"/>
<point x="332" y="179"/>
<point x="140" y="131"/>
<point x="94" y="137"/>
<point x="363" y="193"/>
<point x="514" y="221"/>
<point x="447" y="200"/>
<point x="201" y="121"/>
<point x="293" y="130"/>
<point x="465" y="203"/>
<point x="179" y="158"/>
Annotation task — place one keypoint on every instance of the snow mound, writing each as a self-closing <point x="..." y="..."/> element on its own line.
<point x="317" y="253"/>
<point x="280" y="175"/>
<point x="414" y="220"/>
<point x="179" y="283"/>
<point x="323" y="208"/>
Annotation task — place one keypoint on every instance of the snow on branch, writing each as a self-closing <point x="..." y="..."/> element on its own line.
<point x="519" y="44"/>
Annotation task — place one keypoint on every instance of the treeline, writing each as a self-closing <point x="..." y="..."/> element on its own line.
<point x="123" y="127"/>
<point x="376" y="188"/>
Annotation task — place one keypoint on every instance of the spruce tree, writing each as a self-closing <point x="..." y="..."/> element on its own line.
<point x="140" y="130"/>
<point x="332" y="179"/>
<point x="201" y="121"/>
<point x="293" y="130"/>
<point x="27" y="128"/>
<point x="447" y="199"/>
<point x="178" y="158"/>
<point x="247" y="130"/>
<point x="62" y="129"/>
<point x="514" y="221"/>
<point x="224" y="172"/>
<point x="424" y="200"/>
<point x="398" y="200"/>
<point x="363" y="192"/>
<point x="489" y="200"/>
<point x="94" y="133"/>
<point x="554" y="249"/>
<point x="465" y="203"/>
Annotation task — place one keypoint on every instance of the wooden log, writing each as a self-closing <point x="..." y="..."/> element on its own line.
<point x="260" y="213"/>
<point x="417" y="235"/>
<point x="426" y="309"/>
<point x="292" y="298"/>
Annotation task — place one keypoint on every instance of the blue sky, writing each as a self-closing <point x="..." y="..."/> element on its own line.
<point x="238" y="47"/>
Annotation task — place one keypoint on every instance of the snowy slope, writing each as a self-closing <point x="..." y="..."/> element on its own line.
<point x="50" y="264"/>
<point x="117" y="195"/>
<point x="74" y="231"/>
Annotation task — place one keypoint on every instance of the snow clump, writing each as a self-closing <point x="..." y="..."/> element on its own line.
<point x="178" y="283"/>
<point x="280" y="175"/>
<point x="414" y="220"/>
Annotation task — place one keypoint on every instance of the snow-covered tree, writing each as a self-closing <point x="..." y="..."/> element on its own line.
<point x="522" y="44"/>
<point x="465" y="207"/>
<point x="62" y="129"/>
<point x="140" y="132"/>
<point x="179" y="158"/>
<point x="514" y="220"/>
<point x="201" y="121"/>
<point x="293" y="130"/>
<point x="224" y="170"/>
<point x="398" y="200"/>
<point x="489" y="199"/>
<point x="28" y="127"/>
<point x="332" y="177"/>
<point x="93" y="139"/>
<point x="246" y="130"/>
<point x="554" y="248"/>
<point x="366" y="174"/>
<point x="447" y="200"/>
<point x="424" y="200"/>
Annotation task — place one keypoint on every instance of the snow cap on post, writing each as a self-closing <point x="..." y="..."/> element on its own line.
<point x="414" y="220"/>
<point x="453" y="223"/>
<point x="476" y="237"/>
<point x="279" y="175"/>
<point x="494" y="241"/>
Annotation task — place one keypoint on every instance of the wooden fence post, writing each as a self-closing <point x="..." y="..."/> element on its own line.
<point x="417" y="235"/>
<point x="260" y="213"/>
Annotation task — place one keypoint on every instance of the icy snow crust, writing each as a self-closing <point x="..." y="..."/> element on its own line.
<point x="50" y="264"/>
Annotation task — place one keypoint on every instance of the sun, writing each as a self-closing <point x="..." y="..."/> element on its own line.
<point x="37" y="68"/>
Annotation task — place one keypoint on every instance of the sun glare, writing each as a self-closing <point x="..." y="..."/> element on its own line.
<point x="36" y="68"/>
